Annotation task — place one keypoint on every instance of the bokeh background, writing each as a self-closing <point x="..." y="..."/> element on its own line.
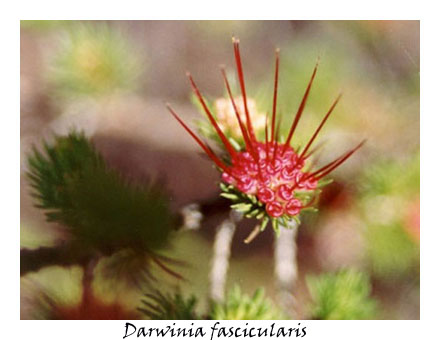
<point x="111" y="79"/>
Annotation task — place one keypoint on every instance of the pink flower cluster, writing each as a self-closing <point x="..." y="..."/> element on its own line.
<point x="270" y="170"/>
<point x="273" y="173"/>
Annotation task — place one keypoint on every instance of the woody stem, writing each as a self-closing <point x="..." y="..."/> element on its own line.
<point x="222" y="252"/>
<point x="286" y="268"/>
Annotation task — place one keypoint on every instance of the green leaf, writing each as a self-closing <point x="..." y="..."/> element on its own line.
<point x="264" y="223"/>
<point x="323" y="182"/>
<point x="241" y="207"/>
<point x="98" y="208"/>
<point x="261" y="214"/>
<point x="232" y="197"/>
<point x="297" y="220"/>
<point x="235" y="144"/>
<point x="224" y="187"/>
<point x="253" y="213"/>
<point x="276" y="227"/>
<point x="344" y="295"/>
<point x="253" y="199"/>
<point x="159" y="306"/>
<point x="310" y="209"/>
<point x="239" y="306"/>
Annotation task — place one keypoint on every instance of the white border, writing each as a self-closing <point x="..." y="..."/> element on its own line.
<point x="14" y="329"/>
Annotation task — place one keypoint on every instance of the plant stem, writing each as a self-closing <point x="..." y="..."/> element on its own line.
<point x="222" y="252"/>
<point x="191" y="216"/>
<point x="286" y="268"/>
<point x="254" y="233"/>
<point x="87" y="281"/>
<point x="32" y="260"/>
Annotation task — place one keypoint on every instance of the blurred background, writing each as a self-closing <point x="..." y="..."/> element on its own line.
<point x="111" y="79"/>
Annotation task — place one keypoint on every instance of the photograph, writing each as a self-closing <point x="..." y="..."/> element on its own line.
<point x="220" y="170"/>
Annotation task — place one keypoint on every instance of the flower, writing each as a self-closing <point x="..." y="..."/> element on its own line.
<point x="226" y="119"/>
<point x="266" y="179"/>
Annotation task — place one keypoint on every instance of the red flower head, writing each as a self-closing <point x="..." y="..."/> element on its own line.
<point x="266" y="179"/>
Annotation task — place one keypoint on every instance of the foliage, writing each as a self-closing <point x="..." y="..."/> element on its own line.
<point x="159" y="306"/>
<point x="239" y="306"/>
<point x="344" y="295"/>
<point x="101" y="211"/>
<point x="391" y="176"/>
<point x="391" y="251"/>
<point x="43" y="25"/>
<point x="390" y="202"/>
<point x="93" y="60"/>
<point x="75" y="187"/>
<point x="251" y="207"/>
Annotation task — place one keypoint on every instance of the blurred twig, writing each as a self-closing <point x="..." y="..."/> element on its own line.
<point x="69" y="254"/>
<point x="32" y="260"/>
